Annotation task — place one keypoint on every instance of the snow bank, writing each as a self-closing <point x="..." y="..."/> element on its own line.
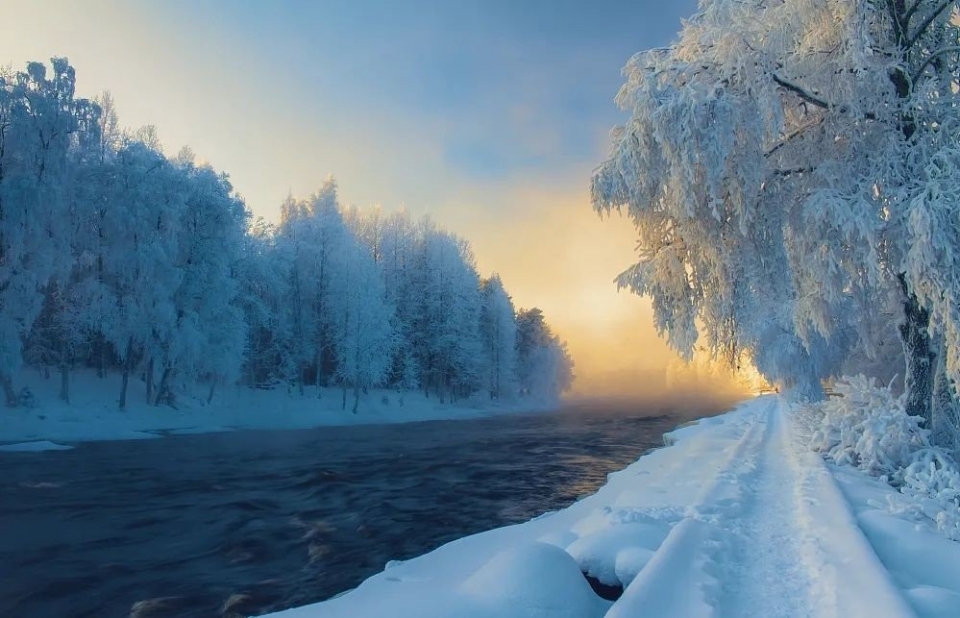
<point x="93" y="413"/>
<point x="909" y="506"/>
<point x="538" y="568"/>
<point x="867" y="427"/>
<point x="735" y="517"/>
<point x="33" y="447"/>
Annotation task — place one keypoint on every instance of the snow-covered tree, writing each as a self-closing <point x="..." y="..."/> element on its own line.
<point x="498" y="333"/>
<point x="264" y="296"/>
<point x="544" y="367"/>
<point x="208" y="334"/>
<point x="141" y="226"/>
<point x="447" y="335"/>
<point x="397" y="245"/>
<point x="114" y="255"/>
<point x="311" y="233"/>
<point x="363" y="326"/>
<point x="39" y="120"/>
<point x="788" y="164"/>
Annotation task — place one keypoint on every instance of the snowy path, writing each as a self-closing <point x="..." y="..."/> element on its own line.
<point x="767" y="576"/>
<point x="734" y="519"/>
<point x="771" y="537"/>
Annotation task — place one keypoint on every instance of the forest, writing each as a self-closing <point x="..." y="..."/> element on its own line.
<point x="119" y="259"/>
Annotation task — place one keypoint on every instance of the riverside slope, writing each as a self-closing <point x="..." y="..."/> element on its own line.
<point x="735" y="518"/>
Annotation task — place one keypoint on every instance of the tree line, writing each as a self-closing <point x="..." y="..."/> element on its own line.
<point x="116" y="257"/>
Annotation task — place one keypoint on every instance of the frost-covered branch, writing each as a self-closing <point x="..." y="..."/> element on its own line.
<point x="791" y="172"/>
<point x="899" y="24"/>
<point x="926" y="23"/>
<point x="792" y="136"/>
<point x="791" y="250"/>
<point x="801" y="92"/>
<point x="909" y="14"/>
<point x="953" y="49"/>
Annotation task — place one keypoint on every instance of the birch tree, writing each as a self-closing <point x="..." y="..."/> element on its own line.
<point x="788" y="165"/>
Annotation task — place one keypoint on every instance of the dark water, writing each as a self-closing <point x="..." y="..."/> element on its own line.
<point x="248" y="522"/>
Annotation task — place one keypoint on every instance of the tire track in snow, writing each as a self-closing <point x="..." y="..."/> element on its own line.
<point x="683" y="577"/>
<point x="767" y="574"/>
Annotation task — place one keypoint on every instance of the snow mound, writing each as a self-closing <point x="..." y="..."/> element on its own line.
<point x="532" y="580"/>
<point x="615" y="555"/>
<point x="34" y="447"/>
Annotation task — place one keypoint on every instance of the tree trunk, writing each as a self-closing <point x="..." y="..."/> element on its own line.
<point x="127" y="368"/>
<point x="943" y="427"/>
<point x="343" y="404"/>
<point x="213" y="388"/>
<point x="101" y="361"/>
<point x="150" y="382"/>
<point x="163" y="391"/>
<point x="356" y="398"/>
<point x="64" y="382"/>
<point x="10" y="395"/>
<point x="319" y="364"/>
<point x="919" y="356"/>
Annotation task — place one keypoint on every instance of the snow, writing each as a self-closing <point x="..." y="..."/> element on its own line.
<point x="93" y="413"/>
<point x="921" y="562"/>
<point x="34" y="447"/>
<point x="736" y="517"/>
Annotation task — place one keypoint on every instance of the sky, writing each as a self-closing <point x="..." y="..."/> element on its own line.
<point x="488" y="116"/>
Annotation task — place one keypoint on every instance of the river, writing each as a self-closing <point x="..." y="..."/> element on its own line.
<point x="241" y="523"/>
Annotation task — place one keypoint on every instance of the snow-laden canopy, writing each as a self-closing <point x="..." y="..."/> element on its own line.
<point x="791" y="167"/>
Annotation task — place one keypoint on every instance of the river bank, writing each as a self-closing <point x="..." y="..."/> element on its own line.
<point x="93" y="413"/>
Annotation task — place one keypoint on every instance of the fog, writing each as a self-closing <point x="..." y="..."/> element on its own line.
<point x="554" y="252"/>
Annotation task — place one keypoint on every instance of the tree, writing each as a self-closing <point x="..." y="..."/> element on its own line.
<point x="787" y="165"/>
<point x="139" y="231"/>
<point x="544" y="367"/>
<point x="264" y="295"/>
<point x="207" y="337"/>
<point x="498" y="332"/>
<point x="363" y="333"/>
<point x="447" y="316"/>
<point x="38" y="120"/>
<point x="312" y="232"/>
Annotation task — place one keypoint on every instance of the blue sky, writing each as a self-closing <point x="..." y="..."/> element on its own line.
<point x="494" y="91"/>
<point x="488" y="116"/>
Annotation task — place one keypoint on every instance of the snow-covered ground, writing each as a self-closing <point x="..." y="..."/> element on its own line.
<point x="736" y="518"/>
<point x="93" y="413"/>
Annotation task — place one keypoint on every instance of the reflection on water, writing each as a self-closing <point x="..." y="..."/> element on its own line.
<point x="243" y="523"/>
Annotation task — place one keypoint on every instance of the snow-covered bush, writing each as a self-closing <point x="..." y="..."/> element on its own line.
<point x="930" y="487"/>
<point x="867" y="427"/>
